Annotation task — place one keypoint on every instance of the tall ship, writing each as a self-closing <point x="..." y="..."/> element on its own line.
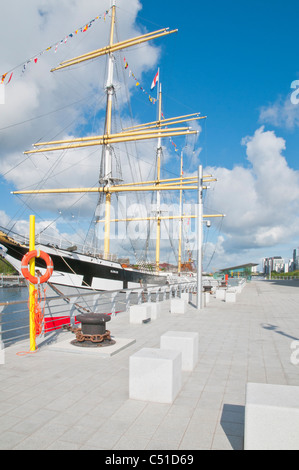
<point x="96" y="269"/>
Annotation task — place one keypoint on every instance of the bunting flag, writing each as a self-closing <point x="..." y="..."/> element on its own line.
<point x="55" y="46"/>
<point x="3" y="77"/>
<point x="151" y="99"/>
<point x="156" y="79"/>
<point x="131" y="74"/>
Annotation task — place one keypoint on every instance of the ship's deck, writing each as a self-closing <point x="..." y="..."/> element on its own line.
<point x="55" y="399"/>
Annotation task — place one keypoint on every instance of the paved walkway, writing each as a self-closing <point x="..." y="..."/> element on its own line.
<point x="65" y="400"/>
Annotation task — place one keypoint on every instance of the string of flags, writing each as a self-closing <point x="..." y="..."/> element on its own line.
<point x="131" y="74"/>
<point x="151" y="99"/>
<point x="6" y="77"/>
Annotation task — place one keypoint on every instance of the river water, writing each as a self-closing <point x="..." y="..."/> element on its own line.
<point x="15" y="317"/>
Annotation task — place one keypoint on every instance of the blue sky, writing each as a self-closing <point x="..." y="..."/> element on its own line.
<point x="232" y="61"/>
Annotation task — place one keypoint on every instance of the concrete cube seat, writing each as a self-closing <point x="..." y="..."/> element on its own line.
<point x="185" y="296"/>
<point x="155" y="309"/>
<point x="206" y="297"/>
<point x="230" y="296"/>
<point x="220" y="294"/>
<point x="140" y="313"/>
<point x="178" y="305"/>
<point x="271" y="417"/>
<point x="184" y="341"/>
<point x="155" y="375"/>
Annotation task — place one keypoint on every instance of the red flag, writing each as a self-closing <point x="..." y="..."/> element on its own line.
<point x="156" y="79"/>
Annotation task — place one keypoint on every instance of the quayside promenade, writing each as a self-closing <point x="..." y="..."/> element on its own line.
<point x="57" y="399"/>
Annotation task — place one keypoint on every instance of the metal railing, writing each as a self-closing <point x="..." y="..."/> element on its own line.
<point x="59" y="310"/>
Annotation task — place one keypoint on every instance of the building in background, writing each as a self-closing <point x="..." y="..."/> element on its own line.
<point x="295" y="260"/>
<point x="243" y="270"/>
<point x="276" y="263"/>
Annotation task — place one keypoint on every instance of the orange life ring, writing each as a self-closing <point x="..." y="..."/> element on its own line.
<point x="37" y="279"/>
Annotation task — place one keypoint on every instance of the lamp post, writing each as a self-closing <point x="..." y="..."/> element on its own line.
<point x="199" y="238"/>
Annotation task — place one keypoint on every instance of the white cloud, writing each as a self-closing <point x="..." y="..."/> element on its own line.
<point x="284" y="112"/>
<point x="261" y="201"/>
<point x="258" y="198"/>
<point x="39" y="93"/>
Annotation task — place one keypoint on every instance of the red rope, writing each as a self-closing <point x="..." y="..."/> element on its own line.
<point x="39" y="313"/>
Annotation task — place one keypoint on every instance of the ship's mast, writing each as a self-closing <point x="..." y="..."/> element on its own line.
<point x="180" y="220"/>
<point x="159" y="152"/>
<point x="107" y="147"/>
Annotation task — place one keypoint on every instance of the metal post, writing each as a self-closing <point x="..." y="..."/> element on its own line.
<point x="128" y="301"/>
<point x="113" y="300"/>
<point x="199" y="238"/>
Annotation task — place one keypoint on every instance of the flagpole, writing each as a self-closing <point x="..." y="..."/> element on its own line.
<point x="158" y="87"/>
<point x="159" y="151"/>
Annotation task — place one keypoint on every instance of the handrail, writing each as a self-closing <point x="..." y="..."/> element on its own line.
<point x="14" y="316"/>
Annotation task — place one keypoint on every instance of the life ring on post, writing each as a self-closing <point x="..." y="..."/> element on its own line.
<point x="37" y="279"/>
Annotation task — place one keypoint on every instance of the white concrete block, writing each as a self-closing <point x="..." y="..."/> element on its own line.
<point x="220" y="294"/>
<point x="185" y="296"/>
<point x="139" y="313"/>
<point x="155" y="375"/>
<point x="178" y="305"/>
<point x="184" y="341"/>
<point x="271" y="417"/>
<point x="207" y="297"/>
<point x="230" y="296"/>
<point x="155" y="309"/>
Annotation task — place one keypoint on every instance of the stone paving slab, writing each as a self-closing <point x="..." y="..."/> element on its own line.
<point x="57" y="400"/>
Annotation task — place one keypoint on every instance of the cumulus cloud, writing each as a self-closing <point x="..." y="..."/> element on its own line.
<point x="35" y="95"/>
<point x="40" y="105"/>
<point x="284" y="112"/>
<point x="261" y="200"/>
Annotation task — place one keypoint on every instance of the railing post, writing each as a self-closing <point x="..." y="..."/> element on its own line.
<point x="128" y="293"/>
<point x="73" y="308"/>
<point x="113" y="297"/>
<point x="164" y="293"/>
<point x="139" y="299"/>
<point x="96" y="301"/>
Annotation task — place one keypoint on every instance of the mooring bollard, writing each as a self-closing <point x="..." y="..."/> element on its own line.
<point x="93" y="332"/>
